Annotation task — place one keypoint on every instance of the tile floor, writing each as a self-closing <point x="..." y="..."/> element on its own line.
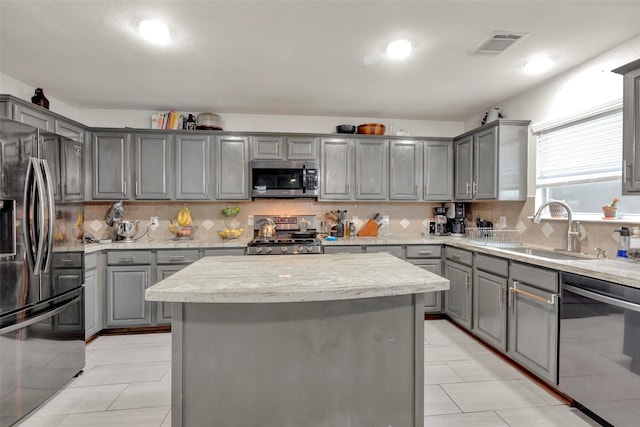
<point x="127" y="384"/>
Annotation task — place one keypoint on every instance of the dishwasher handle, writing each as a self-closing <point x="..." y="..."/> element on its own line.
<point x="603" y="298"/>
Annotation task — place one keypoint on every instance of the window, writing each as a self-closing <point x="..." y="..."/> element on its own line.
<point x="579" y="161"/>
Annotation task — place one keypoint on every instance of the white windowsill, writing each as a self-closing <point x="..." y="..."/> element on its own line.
<point x="622" y="219"/>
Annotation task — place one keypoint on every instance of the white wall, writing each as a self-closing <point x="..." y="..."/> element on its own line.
<point x="581" y="89"/>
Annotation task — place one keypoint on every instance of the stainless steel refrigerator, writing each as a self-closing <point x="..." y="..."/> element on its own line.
<point x="41" y="325"/>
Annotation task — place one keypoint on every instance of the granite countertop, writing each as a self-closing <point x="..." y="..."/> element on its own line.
<point x="294" y="278"/>
<point x="610" y="269"/>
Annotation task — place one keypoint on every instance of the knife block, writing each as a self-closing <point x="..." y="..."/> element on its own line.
<point x="369" y="229"/>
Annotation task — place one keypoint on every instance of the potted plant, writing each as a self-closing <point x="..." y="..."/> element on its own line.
<point x="610" y="210"/>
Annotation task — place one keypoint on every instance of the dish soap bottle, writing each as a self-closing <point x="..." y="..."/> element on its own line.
<point x="623" y="242"/>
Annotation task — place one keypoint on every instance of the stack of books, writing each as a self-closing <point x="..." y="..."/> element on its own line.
<point x="170" y="120"/>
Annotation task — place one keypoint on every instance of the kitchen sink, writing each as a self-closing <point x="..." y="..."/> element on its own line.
<point x="551" y="253"/>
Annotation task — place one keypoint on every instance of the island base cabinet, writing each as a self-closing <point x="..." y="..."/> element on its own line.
<point x="533" y="330"/>
<point x="322" y="363"/>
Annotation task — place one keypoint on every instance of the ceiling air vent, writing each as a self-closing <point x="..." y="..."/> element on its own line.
<point x="498" y="42"/>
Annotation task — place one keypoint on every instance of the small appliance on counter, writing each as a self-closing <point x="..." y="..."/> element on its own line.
<point x="457" y="224"/>
<point x="115" y="214"/>
<point x="440" y="222"/>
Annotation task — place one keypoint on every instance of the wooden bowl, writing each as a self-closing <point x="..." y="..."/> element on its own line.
<point x="371" y="129"/>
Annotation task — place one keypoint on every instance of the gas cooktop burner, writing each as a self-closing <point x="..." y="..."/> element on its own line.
<point x="285" y="241"/>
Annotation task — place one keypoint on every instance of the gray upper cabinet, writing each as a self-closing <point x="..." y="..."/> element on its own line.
<point x="69" y="130"/>
<point x="438" y="170"/>
<point x="282" y="148"/>
<point x="372" y="182"/>
<point x="33" y="115"/>
<point x="72" y="169"/>
<point x="51" y="153"/>
<point x="232" y="168"/>
<point x="336" y="169"/>
<point x="153" y="166"/>
<point x="405" y="169"/>
<point x="491" y="162"/>
<point x="631" y="127"/>
<point x="110" y="160"/>
<point x="193" y="167"/>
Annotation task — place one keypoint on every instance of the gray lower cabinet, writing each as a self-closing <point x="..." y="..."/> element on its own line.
<point x="631" y="127"/>
<point x="405" y="169"/>
<point x="372" y="169"/>
<point x="67" y="274"/>
<point x="429" y="258"/>
<point x="193" y="167"/>
<point x="342" y="249"/>
<point x="336" y="175"/>
<point x="490" y="277"/>
<point x="169" y="262"/>
<point x="395" y="250"/>
<point x="153" y="166"/>
<point x="438" y="170"/>
<point x="457" y="301"/>
<point x="533" y="319"/>
<point x="111" y="156"/>
<point x="94" y="293"/>
<point x="232" y="168"/>
<point x="128" y="275"/>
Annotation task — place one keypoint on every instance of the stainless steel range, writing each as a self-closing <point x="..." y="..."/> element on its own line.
<point x="284" y="235"/>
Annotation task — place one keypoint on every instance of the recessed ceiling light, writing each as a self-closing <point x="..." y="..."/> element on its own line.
<point x="537" y="65"/>
<point x="154" y="31"/>
<point x="399" y="49"/>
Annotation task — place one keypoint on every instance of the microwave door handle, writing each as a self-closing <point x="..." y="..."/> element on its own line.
<point x="47" y="243"/>
<point x="304" y="179"/>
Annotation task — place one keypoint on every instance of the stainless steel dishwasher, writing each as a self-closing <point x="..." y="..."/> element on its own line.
<point x="600" y="349"/>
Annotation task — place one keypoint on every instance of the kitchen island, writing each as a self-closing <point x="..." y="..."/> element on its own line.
<point x="298" y="340"/>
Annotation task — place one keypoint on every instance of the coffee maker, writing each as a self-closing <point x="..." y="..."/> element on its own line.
<point x="457" y="222"/>
<point x="440" y="222"/>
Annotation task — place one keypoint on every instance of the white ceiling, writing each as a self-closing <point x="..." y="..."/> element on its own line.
<point x="300" y="57"/>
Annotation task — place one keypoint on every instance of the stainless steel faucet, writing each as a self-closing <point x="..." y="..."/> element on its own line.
<point x="571" y="233"/>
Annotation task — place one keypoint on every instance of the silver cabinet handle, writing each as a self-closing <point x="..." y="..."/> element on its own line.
<point x="554" y="297"/>
<point x="176" y="258"/>
<point x="427" y="253"/>
<point x="128" y="260"/>
<point x="468" y="189"/>
<point x="474" y="190"/>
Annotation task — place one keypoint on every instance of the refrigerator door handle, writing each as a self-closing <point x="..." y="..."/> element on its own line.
<point x="27" y="217"/>
<point x="47" y="243"/>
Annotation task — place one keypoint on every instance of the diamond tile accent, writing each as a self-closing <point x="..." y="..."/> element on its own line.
<point x="207" y="224"/>
<point x="615" y="236"/>
<point x="547" y="230"/>
<point x="521" y="226"/>
<point x="405" y="223"/>
<point x="96" y="225"/>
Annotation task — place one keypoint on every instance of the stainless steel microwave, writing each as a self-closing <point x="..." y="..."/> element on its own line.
<point x="284" y="178"/>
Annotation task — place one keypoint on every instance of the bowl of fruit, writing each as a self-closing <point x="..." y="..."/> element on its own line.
<point x="230" y="212"/>
<point x="182" y="227"/>
<point x="230" y="233"/>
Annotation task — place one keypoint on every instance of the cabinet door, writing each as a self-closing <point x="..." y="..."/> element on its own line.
<point x="631" y="133"/>
<point x="153" y="166"/>
<point x="302" y="148"/>
<point x="336" y="169"/>
<point x="69" y="130"/>
<point x="72" y="173"/>
<point x="65" y="280"/>
<point x="533" y="330"/>
<point x="371" y="170"/>
<point x="463" y="170"/>
<point x="50" y="151"/>
<point x="457" y="301"/>
<point x="438" y="170"/>
<point x="110" y="165"/>
<point x="232" y="168"/>
<point x="405" y="169"/>
<point x="163" y="309"/>
<point x="485" y="167"/>
<point x="432" y="300"/>
<point x="193" y="167"/>
<point x="126" y="305"/>
<point x="490" y="308"/>
<point x="91" y="309"/>
<point x="33" y="117"/>
<point x="267" y="147"/>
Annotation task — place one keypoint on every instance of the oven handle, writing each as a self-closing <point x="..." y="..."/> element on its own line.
<point x="603" y="298"/>
<point x="40" y="317"/>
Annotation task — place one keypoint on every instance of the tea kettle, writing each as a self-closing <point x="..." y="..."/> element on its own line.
<point x="267" y="228"/>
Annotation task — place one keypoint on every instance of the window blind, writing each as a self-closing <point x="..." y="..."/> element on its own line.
<point x="581" y="152"/>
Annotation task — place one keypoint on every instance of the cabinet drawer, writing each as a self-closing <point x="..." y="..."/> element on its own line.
<point x="177" y="256"/>
<point x="342" y="249"/>
<point x="67" y="259"/>
<point x="395" y="250"/>
<point x="424" y="251"/>
<point x="490" y="264"/>
<point x="535" y="276"/>
<point x="459" y="255"/>
<point x="128" y="257"/>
